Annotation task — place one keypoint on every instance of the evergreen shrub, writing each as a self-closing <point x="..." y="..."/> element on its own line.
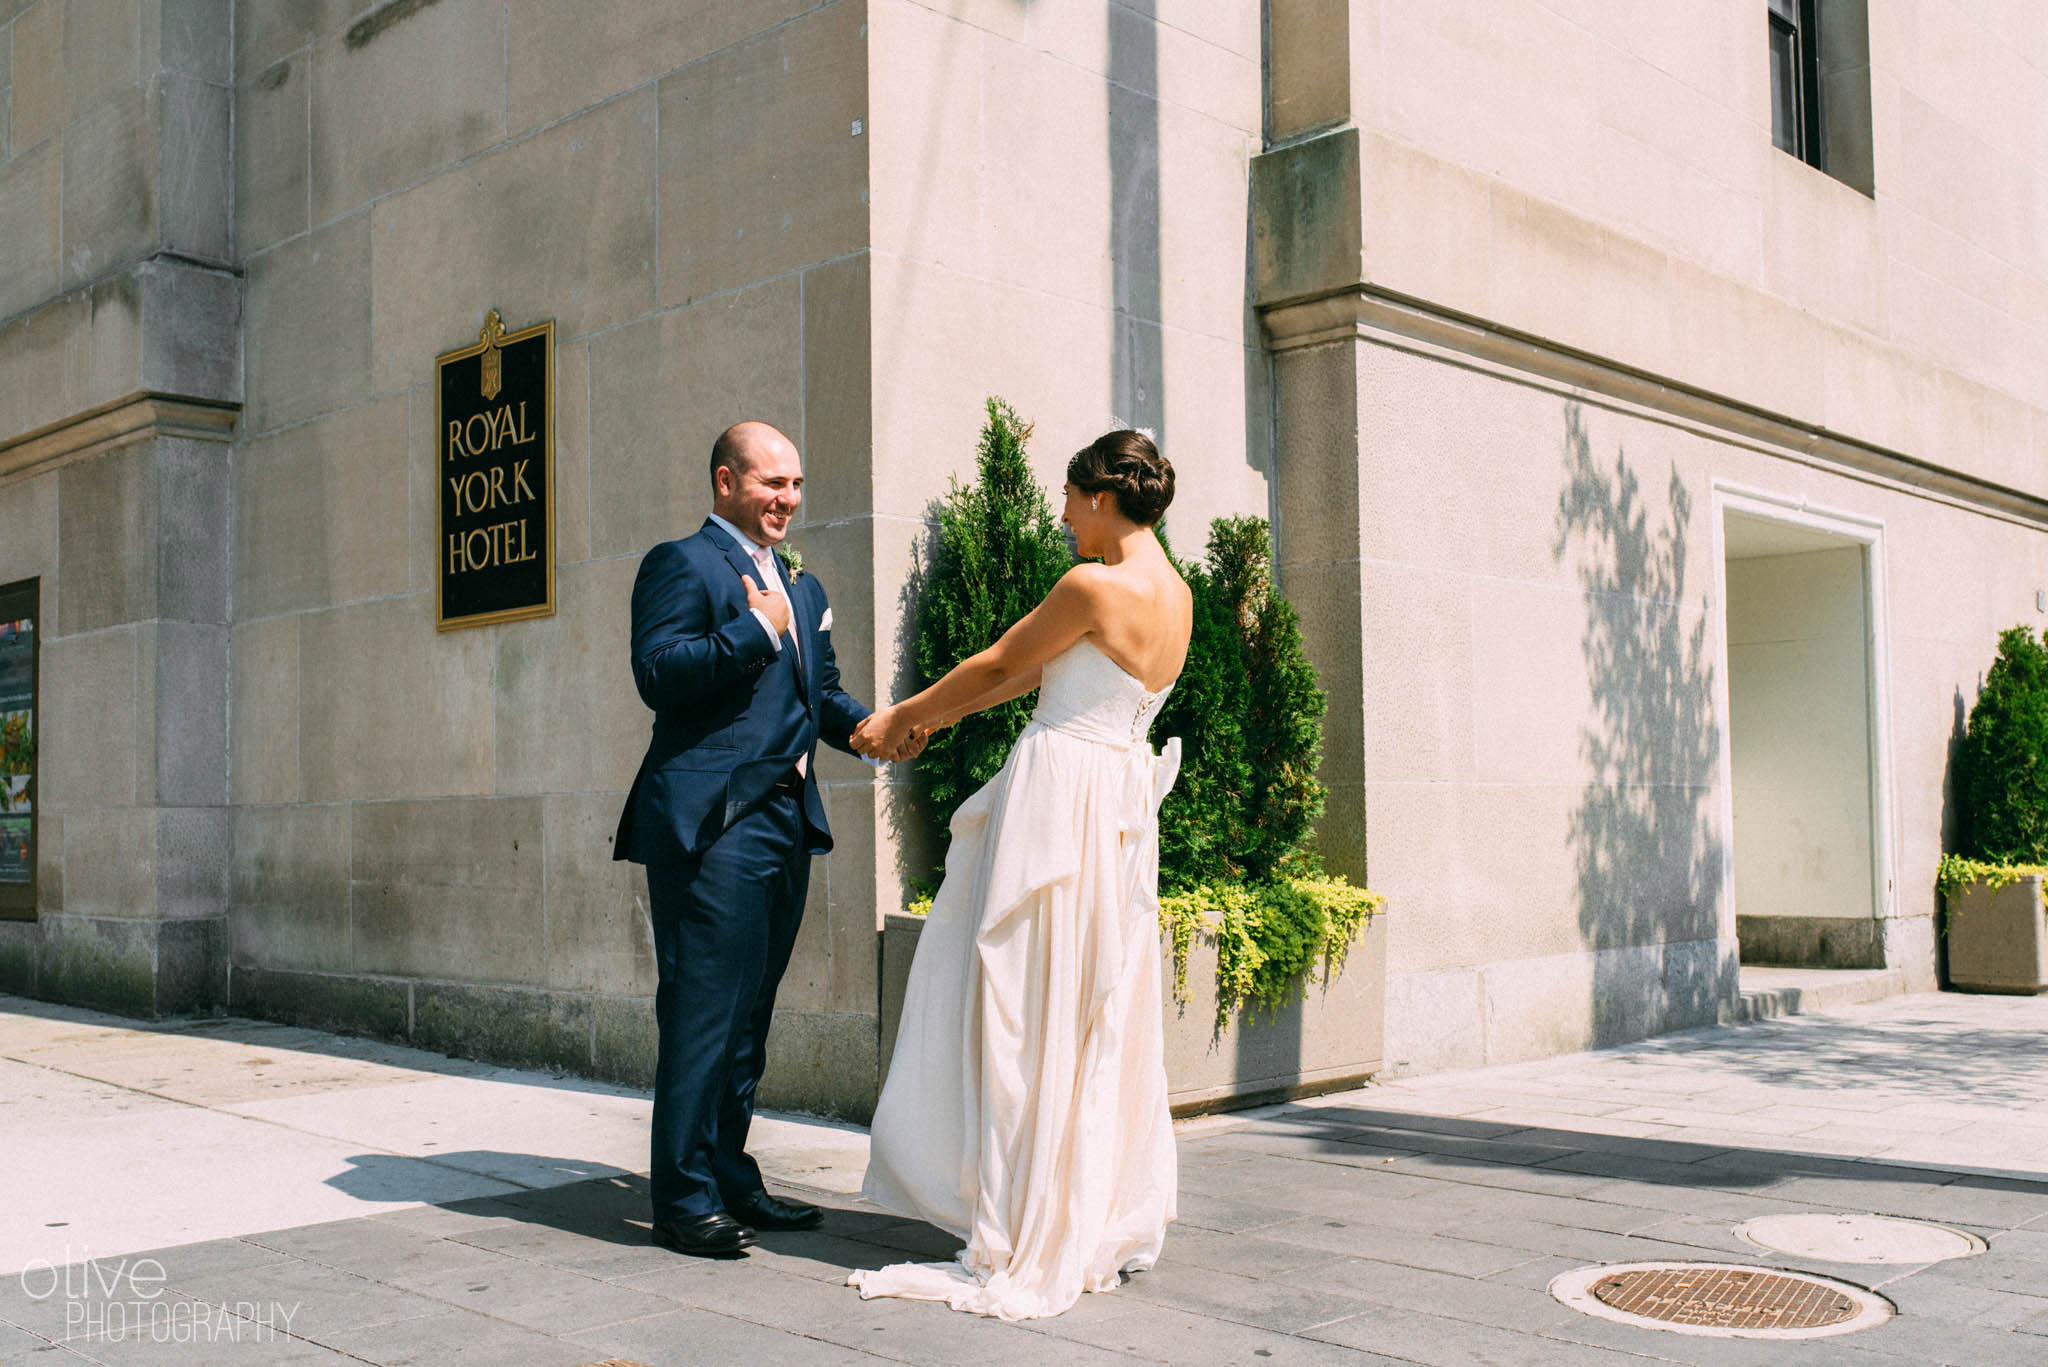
<point x="999" y="551"/>
<point x="2002" y="764"/>
<point x="1250" y="718"/>
<point x="1234" y="865"/>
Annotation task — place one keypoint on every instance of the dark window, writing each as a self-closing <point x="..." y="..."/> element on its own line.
<point x="20" y="606"/>
<point x="1795" y="80"/>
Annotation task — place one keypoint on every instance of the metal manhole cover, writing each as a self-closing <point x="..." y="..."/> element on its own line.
<point x="1722" y="1300"/>
<point x="1859" y="1238"/>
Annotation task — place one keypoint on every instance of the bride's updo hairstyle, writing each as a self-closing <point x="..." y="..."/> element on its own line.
<point x="1126" y="465"/>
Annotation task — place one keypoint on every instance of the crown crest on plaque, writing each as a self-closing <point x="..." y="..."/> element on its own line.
<point x="493" y="360"/>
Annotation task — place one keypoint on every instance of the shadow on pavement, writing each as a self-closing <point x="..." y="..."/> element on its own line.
<point x="1480" y="1151"/>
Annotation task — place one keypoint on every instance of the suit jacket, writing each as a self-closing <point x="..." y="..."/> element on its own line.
<point x="731" y="714"/>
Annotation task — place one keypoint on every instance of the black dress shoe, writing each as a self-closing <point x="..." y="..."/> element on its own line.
<point x="763" y="1211"/>
<point x="716" y="1235"/>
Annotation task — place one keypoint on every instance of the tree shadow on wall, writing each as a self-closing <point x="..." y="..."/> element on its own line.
<point x="1649" y="855"/>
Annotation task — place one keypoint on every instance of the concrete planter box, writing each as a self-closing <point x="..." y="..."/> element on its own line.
<point x="1326" y="1043"/>
<point x="1998" y="938"/>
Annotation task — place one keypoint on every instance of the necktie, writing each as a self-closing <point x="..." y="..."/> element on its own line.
<point x="764" y="559"/>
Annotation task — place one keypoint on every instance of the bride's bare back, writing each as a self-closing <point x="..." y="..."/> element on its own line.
<point x="1131" y="603"/>
<point x="1144" y="616"/>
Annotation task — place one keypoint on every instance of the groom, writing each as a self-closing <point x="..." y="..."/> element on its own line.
<point x="735" y="657"/>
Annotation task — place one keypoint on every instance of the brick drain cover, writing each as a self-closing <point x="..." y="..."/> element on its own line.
<point x="1722" y="1300"/>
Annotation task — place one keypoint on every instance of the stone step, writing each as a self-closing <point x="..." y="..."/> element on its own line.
<point x="1769" y="992"/>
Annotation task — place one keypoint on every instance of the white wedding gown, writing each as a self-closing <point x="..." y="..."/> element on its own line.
<point x="1025" y="1109"/>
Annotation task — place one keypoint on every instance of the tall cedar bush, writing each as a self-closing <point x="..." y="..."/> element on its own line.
<point x="999" y="551"/>
<point x="2002" y="765"/>
<point x="1249" y="715"/>
<point x="1202" y="821"/>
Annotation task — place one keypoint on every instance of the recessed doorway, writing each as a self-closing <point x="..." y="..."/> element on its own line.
<point x="1804" y="749"/>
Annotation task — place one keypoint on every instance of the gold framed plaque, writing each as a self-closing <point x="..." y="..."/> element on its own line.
<point x="494" y="486"/>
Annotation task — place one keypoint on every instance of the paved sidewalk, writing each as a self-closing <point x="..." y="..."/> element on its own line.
<point x="1418" y="1222"/>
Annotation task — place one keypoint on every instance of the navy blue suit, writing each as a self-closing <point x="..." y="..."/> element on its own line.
<point x="726" y="828"/>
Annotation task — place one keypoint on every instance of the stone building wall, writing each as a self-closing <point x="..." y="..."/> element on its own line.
<point x="120" y="366"/>
<point x="1058" y="218"/>
<point x="1540" y="322"/>
<point x="423" y="820"/>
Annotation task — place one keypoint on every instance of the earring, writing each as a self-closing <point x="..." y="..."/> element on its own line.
<point x="1095" y="503"/>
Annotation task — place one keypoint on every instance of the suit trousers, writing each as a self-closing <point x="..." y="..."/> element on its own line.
<point x="724" y="924"/>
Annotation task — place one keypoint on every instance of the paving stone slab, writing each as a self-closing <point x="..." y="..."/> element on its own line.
<point x="1695" y="1351"/>
<point x="1571" y="1212"/>
<point x="459" y="1220"/>
<point x="820" y="1255"/>
<point x="1451" y="1146"/>
<point x="1227" y="1216"/>
<point x="1303" y="1187"/>
<point x="930" y="1334"/>
<point x="1431" y="1250"/>
<point x="1992" y="1271"/>
<point x="1316" y="1146"/>
<point x="1732" y="1206"/>
<point x="1413" y="1336"/>
<point x="1157" y="1333"/>
<point x="1663" y="1170"/>
<point x="1925" y="1294"/>
<point x="2028" y="1244"/>
<point x="691" y="1338"/>
<point x="142" y="1351"/>
<point x="551" y="1300"/>
<point x="1260" y="1303"/>
<point x="1538" y="1237"/>
<point x="742" y="1290"/>
<point x="1479" y="1173"/>
<point x="910" y="1239"/>
<point x="385" y="1253"/>
<point x="1289" y="1175"/>
<point x="19" y="1345"/>
<point x="1439" y="1293"/>
<point x="1538" y="1273"/>
<point x="456" y="1338"/>
<point x="597" y="1248"/>
<point x="213" y="1255"/>
<point x="318" y="1299"/>
<point x="1960" y="1204"/>
<point x="1951" y="1344"/>
<point x="1262" y="1255"/>
<point x="1362" y="1116"/>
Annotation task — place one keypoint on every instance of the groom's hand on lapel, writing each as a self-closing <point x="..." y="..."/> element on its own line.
<point x="770" y="602"/>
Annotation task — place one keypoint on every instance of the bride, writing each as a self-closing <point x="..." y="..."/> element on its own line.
<point x="1025" y="1109"/>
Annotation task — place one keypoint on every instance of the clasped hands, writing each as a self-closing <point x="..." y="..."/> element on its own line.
<point x="882" y="736"/>
<point x="887" y="736"/>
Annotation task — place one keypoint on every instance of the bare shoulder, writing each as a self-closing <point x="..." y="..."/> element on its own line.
<point x="1091" y="579"/>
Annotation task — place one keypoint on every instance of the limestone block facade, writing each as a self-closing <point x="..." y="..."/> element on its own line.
<point x="1652" y="494"/>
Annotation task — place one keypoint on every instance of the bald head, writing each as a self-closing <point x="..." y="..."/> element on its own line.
<point x="739" y="445"/>
<point x="757" y="480"/>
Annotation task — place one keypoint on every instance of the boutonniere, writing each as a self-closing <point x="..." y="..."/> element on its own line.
<point x="792" y="559"/>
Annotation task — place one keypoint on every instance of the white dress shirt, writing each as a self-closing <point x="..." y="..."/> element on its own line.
<point x="764" y="560"/>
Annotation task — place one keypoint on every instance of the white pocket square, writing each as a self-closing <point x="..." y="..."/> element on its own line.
<point x="825" y="622"/>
